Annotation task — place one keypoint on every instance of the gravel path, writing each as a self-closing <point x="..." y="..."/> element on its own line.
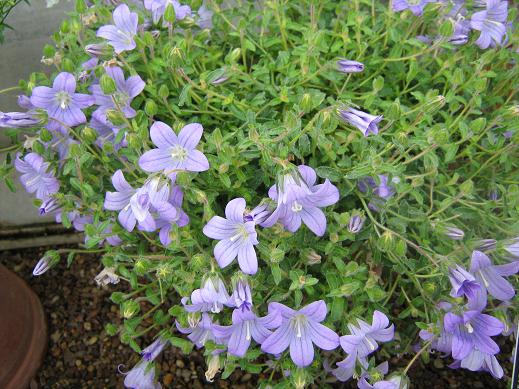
<point x="81" y="355"/>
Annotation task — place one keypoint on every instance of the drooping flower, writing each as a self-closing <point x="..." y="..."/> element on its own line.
<point x="210" y="298"/>
<point x="174" y="153"/>
<point x="480" y="361"/>
<point x="36" y="175"/>
<point x="154" y="349"/>
<point x="49" y="205"/>
<point x="127" y="90"/>
<point x="24" y="102"/>
<point x="347" y="66"/>
<point x="378" y="372"/>
<point x="299" y="200"/>
<point x="491" y="277"/>
<point x="491" y="23"/>
<point x="415" y="6"/>
<point x="200" y="333"/>
<point x="471" y="330"/>
<point x="120" y="35"/>
<point x="246" y="326"/>
<point x="19" y="120"/>
<point x="364" y="337"/>
<point x="299" y="330"/>
<point x="237" y="237"/>
<point x="107" y="276"/>
<point x="62" y="103"/>
<point x="363" y="121"/>
<point x="356" y="223"/>
<point x="142" y="376"/>
<point x="181" y="219"/>
<point x="158" y="8"/>
<point x="463" y="283"/>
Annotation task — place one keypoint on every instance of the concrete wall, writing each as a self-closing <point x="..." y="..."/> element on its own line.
<point x="20" y="55"/>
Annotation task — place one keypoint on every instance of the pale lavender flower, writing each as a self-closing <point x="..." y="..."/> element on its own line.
<point x="480" y="361"/>
<point x="299" y="330"/>
<point x="347" y="66"/>
<point x="180" y="219"/>
<point x="127" y="90"/>
<point x="463" y="283"/>
<point x="363" y="121"/>
<point x="246" y="326"/>
<point x="472" y="330"/>
<point x="346" y="368"/>
<point x="491" y="277"/>
<point x="96" y="49"/>
<point x="491" y="23"/>
<point x="441" y="342"/>
<point x="385" y="384"/>
<point x="142" y="376"/>
<point x="205" y="17"/>
<point x="200" y="333"/>
<point x="158" y="7"/>
<point x="415" y="6"/>
<point x="299" y="200"/>
<point x="154" y="349"/>
<point x="111" y="238"/>
<point x="36" y="175"/>
<point x="120" y="35"/>
<point x="19" y="120"/>
<point x="363" y="339"/>
<point x="241" y="297"/>
<point x="210" y="298"/>
<point x="356" y="223"/>
<point x="237" y="237"/>
<point x="174" y="153"/>
<point x="62" y="104"/>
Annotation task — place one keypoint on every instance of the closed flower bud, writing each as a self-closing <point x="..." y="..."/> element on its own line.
<point x="150" y="108"/>
<point x="356" y="223"/>
<point x="130" y="308"/>
<point x="115" y="117"/>
<point x="430" y="287"/>
<point x="434" y="104"/>
<point x="45" y="135"/>
<point x="88" y="134"/>
<point x="485" y="244"/>
<point x="163" y="92"/>
<point x="235" y="55"/>
<point x="198" y="261"/>
<point x="97" y="49"/>
<point x="312" y="258"/>
<point x="50" y="259"/>
<point x="454" y="233"/>
<point x="213" y="367"/>
<point x="306" y="102"/>
<point x="347" y="66"/>
<point x="387" y="240"/>
<point x="107" y="84"/>
<point x="169" y="13"/>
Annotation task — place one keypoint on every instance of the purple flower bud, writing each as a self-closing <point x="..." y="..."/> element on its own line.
<point x="486" y="244"/>
<point x="454" y="233"/>
<point x="356" y="223"/>
<point x="48" y="205"/>
<point x="96" y="49"/>
<point x="45" y="263"/>
<point x="153" y="350"/>
<point x="19" y="120"/>
<point x="220" y="80"/>
<point x="241" y="297"/>
<point x="347" y="66"/>
<point x="513" y="248"/>
<point x="463" y="283"/>
<point x="493" y="195"/>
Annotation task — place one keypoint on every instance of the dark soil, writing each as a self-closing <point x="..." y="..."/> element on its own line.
<point x="81" y="355"/>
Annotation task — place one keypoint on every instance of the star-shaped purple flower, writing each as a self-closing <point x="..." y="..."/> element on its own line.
<point x="491" y="23"/>
<point x="62" y="103"/>
<point x="120" y="35"/>
<point x="299" y="330"/>
<point x="237" y="237"/>
<point x="463" y="283"/>
<point x="174" y="153"/>
<point x="36" y="176"/>
<point x="210" y="298"/>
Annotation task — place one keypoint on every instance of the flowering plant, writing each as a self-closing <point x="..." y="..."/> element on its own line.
<point x="304" y="188"/>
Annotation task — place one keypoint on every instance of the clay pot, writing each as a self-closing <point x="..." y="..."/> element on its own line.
<point x="23" y="332"/>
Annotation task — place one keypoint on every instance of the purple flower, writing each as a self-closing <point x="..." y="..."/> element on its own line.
<point x="237" y="237"/>
<point x="120" y="35"/>
<point x="36" y="176"/>
<point x="365" y="122"/>
<point x="347" y="66"/>
<point x="110" y="238"/>
<point x="180" y="219"/>
<point x="356" y="223"/>
<point x="96" y="49"/>
<point x="490" y="277"/>
<point x="299" y="330"/>
<point x="299" y="200"/>
<point x="382" y="190"/>
<point x="142" y="376"/>
<point x="363" y="339"/>
<point x="45" y="263"/>
<point x="415" y="6"/>
<point x="205" y="17"/>
<point x="486" y="244"/>
<point x="480" y="361"/>
<point x="210" y="298"/>
<point x="158" y="7"/>
<point x="127" y="90"/>
<point x="49" y="205"/>
<point x="346" y="368"/>
<point x="246" y="326"/>
<point x="19" y="120"/>
<point x="441" y="342"/>
<point x="25" y="102"/>
<point x="491" y="23"/>
<point x="61" y="102"/>
<point x="174" y="153"/>
<point x="513" y="248"/>
<point x="363" y="384"/>
<point x="463" y="283"/>
<point x="472" y="330"/>
<point x="201" y="332"/>
<point x="153" y="350"/>
<point x="241" y="297"/>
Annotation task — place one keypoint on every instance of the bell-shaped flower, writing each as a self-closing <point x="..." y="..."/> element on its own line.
<point x="300" y="330"/>
<point x="366" y="123"/>
<point x="200" y="333"/>
<point x="154" y="349"/>
<point x="120" y="34"/>
<point x="62" y="103"/>
<point x="463" y="283"/>
<point x="246" y="326"/>
<point x="480" y="361"/>
<point x="299" y="200"/>
<point x="472" y="330"/>
<point x="237" y="237"/>
<point x="210" y="298"/>
<point x="491" y="23"/>
<point x="36" y="175"/>
<point x="364" y="337"/>
<point x="174" y="153"/>
<point x="142" y="376"/>
<point x="126" y="91"/>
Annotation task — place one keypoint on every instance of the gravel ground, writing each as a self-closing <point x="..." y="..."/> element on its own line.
<point x="81" y="355"/>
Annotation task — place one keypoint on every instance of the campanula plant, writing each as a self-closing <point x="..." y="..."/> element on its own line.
<point x="306" y="188"/>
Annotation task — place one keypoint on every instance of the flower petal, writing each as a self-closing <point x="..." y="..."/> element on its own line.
<point x="196" y="161"/>
<point x="302" y="349"/>
<point x="162" y="135"/>
<point x="322" y="336"/>
<point x="155" y="160"/>
<point x="234" y="210"/>
<point x="190" y="135"/>
<point x="226" y="251"/>
<point x="219" y="228"/>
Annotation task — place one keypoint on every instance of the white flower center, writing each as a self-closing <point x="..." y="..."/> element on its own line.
<point x="469" y="328"/>
<point x="298" y="321"/>
<point x="247" y="330"/>
<point x="297" y="207"/>
<point x="178" y="152"/>
<point x="63" y="99"/>
<point x="241" y="232"/>
<point x="485" y="282"/>
<point x="370" y="344"/>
